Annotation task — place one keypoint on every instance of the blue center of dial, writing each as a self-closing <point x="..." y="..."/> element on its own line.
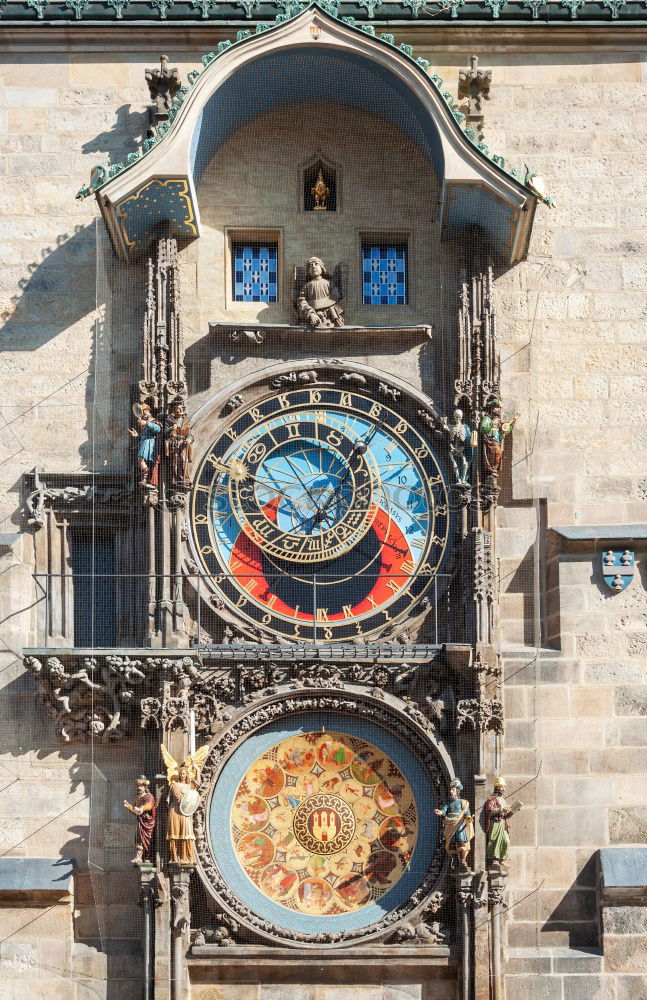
<point x="316" y="489"/>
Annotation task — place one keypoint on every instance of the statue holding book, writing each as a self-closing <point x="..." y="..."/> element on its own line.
<point x="497" y="814"/>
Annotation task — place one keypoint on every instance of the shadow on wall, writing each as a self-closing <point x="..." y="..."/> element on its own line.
<point x="125" y="136"/>
<point x="574" y="921"/>
<point x="66" y="801"/>
<point x="55" y="292"/>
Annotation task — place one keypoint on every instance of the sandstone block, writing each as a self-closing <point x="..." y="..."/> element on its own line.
<point x="403" y="991"/>
<point x="630" y="791"/>
<point x="631" y="987"/>
<point x="624" y="919"/>
<point x="559" y="671"/>
<point x="554" y="866"/>
<point x="231" y="991"/>
<point x="520" y="733"/>
<point x="552" y="701"/>
<point x="516" y="701"/>
<point x="610" y="672"/>
<point x="594" y="791"/>
<point x="540" y="987"/>
<point x="628" y="760"/>
<point x="633" y="732"/>
<point x="577" y="961"/>
<point x="570" y="733"/>
<point x="555" y="905"/>
<point x="591" y="701"/>
<point x="526" y="961"/>
<point x="565" y="761"/>
<point x="625" y="953"/>
<point x="523" y="762"/>
<point x="561" y="826"/>
<point x="628" y="825"/>
<point x="589" y="987"/>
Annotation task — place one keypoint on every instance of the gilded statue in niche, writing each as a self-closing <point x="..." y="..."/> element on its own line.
<point x="318" y="299"/>
<point x="320" y="193"/>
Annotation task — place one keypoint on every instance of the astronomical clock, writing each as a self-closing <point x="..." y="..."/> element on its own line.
<point x="321" y="511"/>
<point x="321" y="515"/>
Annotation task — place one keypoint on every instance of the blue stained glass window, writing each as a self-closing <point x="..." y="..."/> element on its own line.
<point x="384" y="274"/>
<point x="255" y="272"/>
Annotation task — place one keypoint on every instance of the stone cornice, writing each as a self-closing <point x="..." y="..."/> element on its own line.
<point x="499" y="36"/>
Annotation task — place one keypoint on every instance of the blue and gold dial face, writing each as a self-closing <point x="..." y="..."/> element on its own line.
<point x="321" y="513"/>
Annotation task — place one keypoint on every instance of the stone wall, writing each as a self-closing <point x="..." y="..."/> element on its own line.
<point x="571" y="323"/>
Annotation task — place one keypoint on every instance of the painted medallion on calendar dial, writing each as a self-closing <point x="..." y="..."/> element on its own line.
<point x="320" y="513"/>
<point x="324" y="823"/>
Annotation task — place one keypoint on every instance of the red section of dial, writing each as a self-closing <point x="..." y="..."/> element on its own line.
<point x="395" y="566"/>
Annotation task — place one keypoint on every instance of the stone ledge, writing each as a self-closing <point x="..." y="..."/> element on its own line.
<point x="34" y="881"/>
<point x="622" y="873"/>
<point x="333" y="966"/>
<point x="600" y="532"/>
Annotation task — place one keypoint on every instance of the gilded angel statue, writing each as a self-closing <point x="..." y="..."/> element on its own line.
<point x="183" y="800"/>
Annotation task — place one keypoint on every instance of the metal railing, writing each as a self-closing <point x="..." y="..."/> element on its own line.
<point x="120" y="603"/>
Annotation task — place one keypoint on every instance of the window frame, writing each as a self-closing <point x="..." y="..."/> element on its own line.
<point x="234" y="235"/>
<point x="388" y="239"/>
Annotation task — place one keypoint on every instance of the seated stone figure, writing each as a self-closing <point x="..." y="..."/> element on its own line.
<point x="318" y="300"/>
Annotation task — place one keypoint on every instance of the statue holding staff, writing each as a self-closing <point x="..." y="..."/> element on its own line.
<point x="458" y="824"/>
<point x="145" y="809"/>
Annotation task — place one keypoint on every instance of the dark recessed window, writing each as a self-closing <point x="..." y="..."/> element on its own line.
<point x="255" y="271"/>
<point x="384" y="274"/>
<point x="92" y="555"/>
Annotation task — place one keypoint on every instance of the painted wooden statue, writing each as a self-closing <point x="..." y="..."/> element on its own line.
<point x="178" y="441"/>
<point x="148" y="453"/>
<point x="458" y="824"/>
<point x="497" y="814"/>
<point x="183" y="800"/>
<point x="493" y="433"/>
<point x="145" y="809"/>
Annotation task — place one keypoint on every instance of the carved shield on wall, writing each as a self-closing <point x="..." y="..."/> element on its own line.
<point x="190" y="802"/>
<point x="618" y="569"/>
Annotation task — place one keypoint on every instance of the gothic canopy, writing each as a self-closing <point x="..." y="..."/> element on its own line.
<point x="311" y="57"/>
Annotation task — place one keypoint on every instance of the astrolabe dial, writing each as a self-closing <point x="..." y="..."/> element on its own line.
<point x="321" y="514"/>
<point x="308" y="495"/>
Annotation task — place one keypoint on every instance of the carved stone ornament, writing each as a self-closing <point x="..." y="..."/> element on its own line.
<point x="357" y="703"/>
<point x="73" y="494"/>
<point x="163" y="84"/>
<point x="480" y="715"/>
<point x="107" y="697"/>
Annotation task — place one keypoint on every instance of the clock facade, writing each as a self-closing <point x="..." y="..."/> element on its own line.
<point x="320" y="513"/>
